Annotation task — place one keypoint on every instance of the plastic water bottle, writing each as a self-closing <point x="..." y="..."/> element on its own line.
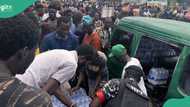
<point x="158" y="76"/>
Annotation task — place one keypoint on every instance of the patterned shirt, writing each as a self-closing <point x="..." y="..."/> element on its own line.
<point x="14" y="93"/>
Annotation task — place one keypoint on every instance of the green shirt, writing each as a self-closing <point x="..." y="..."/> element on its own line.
<point x="115" y="67"/>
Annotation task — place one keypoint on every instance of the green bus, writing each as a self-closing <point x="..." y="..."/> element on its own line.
<point x="158" y="43"/>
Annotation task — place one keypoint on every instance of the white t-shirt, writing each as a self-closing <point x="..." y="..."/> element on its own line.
<point x="58" y="64"/>
<point x="135" y="62"/>
<point x="46" y="16"/>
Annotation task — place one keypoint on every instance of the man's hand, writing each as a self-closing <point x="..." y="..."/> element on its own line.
<point x="75" y="89"/>
<point x="63" y="98"/>
<point x="51" y="86"/>
<point x="95" y="102"/>
<point x="92" y="93"/>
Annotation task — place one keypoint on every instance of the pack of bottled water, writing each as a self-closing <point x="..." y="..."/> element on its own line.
<point x="158" y="76"/>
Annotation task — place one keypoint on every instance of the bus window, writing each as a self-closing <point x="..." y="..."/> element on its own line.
<point x="155" y="53"/>
<point x="158" y="59"/>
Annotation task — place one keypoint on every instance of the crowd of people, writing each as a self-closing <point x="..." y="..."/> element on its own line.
<point x="155" y="10"/>
<point x="181" y="14"/>
<point x="57" y="55"/>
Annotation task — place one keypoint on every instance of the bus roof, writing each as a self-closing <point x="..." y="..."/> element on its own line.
<point x="176" y="31"/>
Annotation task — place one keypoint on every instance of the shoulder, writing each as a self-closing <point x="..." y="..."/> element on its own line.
<point x="101" y="61"/>
<point x="135" y="59"/>
<point x="26" y="96"/>
<point x="50" y="35"/>
<point x="133" y="86"/>
<point x="49" y="38"/>
<point x="67" y="57"/>
<point x="34" y="97"/>
<point x="101" y="54"/>
<point x="95" y="34"/>
<point x="52" y="55"/>
<point x="73" y="36"/>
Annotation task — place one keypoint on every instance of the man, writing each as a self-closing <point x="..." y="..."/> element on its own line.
<point x="49" y="25"/>
<point x="116" y="61"/>
<point x="51" y="69"/>
<point x="131" y="61"/>
<point x="67" y="12"/>
<point x="91" y="38"/>
<point x="95" y="72"/>
<point x="49" y="20"/>
<point x="104" y="36"/>
<point x="125" y="11"/>
<point x="61" y="39"/>
<point x="187" y="16"/>
<point x="76" y="23"/>
<point x="18" y="39"/>
<point x="53" y="11"/>
<point x="119" y="93"/>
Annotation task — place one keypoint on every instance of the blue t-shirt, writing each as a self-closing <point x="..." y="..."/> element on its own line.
<point x="53" y="41"/>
